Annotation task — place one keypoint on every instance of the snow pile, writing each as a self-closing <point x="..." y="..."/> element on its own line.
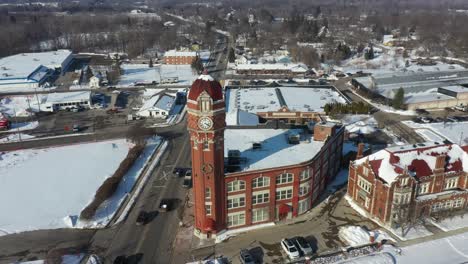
<point x="45" y="185"/>
<point x="357" y="235"/>
<point x="378" y="258"/>
<point x="367" y="126"/>
<point x="452" y="223"/>
<point x="15" y="137"/>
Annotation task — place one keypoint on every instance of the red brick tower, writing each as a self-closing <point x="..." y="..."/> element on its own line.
<point x="206" y="124"/>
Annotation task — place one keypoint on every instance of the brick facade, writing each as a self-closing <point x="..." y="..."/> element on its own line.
<point x="179" y="60"/>
<point x="247" y="198"/>
<point x="409" y="195"/>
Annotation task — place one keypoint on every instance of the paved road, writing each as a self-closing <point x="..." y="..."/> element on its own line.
<point x="154" y="240"/>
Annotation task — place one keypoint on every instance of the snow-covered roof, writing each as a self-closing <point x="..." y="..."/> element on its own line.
<point x="275" y="150"/>
<point x="158" y="101"/>
<point x="238" y="117"/>
<point x="68" y="97"/>
<point x="20" y="66"/>
<point x="455" y="88"/>
<point x="175" y="53"/>
<point x="419" y="160"/>
<point x="429" y="96"/>
<point x="273" y="66"/>
<point x="413" y="82"/>
<point x="265" y="99"/>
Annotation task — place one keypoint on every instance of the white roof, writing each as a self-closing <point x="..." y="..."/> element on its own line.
<point x="176" y="53"/>
<point x="238" y="117"/>
<point x="275" y="150"/>
<point x="273" y="66"/>
<point x="22" y="65"/>
<point x="265" y="99"/>
<point x="68" y="97"/>
<point x="159" y="101"/>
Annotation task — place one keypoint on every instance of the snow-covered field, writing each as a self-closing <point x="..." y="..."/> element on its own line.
<point x="141" y="73"/>
<point x="456" y="132"/>
<point x="15" y="137"/>
<point x="357" y="235"/>
<point x="45" y="188"/>
<point x="20" y="105"/>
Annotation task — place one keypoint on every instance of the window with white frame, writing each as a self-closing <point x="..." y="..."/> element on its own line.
<point x="458" y="203"/>
<point x="235" y="186"/>
<point x="235" y="202"/>
<point x="284" y="178"/>
<point x="365" y="185"/>
<point x="260" y="197"/>
<point x="207" y="194"/>
<point x="436" y="207"/>
<point x="304" y="189"/>
<point x="423" y="188"/>
<point x="260" y="214"/>
<point x="365" y="170"/>
<point x="206" y="145"/>
<point x="451" y="183"/>
<point x="205" y="105"/>
<point x="303" y="206"/>
<point x="260" y="182"/>
<point x="236" y="219"/>
<point x="448" y="204"/>
<point x="305" y="174"/>
<point x="404" y="181"/>
<point x="282" y="194"/>
<point x="208" y="209"/>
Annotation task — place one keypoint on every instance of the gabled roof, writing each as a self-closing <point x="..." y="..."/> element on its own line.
<point x="419" y="160"/>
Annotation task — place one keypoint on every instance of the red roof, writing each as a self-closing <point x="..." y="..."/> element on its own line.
<point x="212" y="87"/>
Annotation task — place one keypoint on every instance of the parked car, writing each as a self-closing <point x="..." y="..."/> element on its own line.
<point x="164" y="205"/>
<point x="178" y="171"/>
<point x="426" y="119"/>
<point x="120" y="260"/>
<point x="438" y="119"/>
<point x="142" y="218"/>
<point x="290" y="249"/>
<point x="303" y="245"/>
<point x="421" y="111"/>
<point x="76" y="128"/>
<point x="245" y="257"/>
<point x="187" y="179"/>
<point x="451" y="119"/>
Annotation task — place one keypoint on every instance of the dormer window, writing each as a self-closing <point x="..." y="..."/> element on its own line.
<point x="404" y="181"/>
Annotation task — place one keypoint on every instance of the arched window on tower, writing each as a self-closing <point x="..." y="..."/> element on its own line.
<point x="205" y="104"/>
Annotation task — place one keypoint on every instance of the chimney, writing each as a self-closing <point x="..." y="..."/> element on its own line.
<point x="440" y="162"/>
<point x="360" y="151"/>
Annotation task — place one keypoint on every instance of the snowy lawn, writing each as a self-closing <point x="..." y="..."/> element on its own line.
<point x="107" y="210"/>
<point x="45" y="186"/>
<point x="141" y="73"/>
<point x="452" y="223"/>
<point x="456" y="132"/>
<point x="357" y="235"/>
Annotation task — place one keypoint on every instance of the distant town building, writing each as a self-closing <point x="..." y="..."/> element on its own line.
<point x="179" y="57"/>
<point x="251" y="176"/>
<point x="410" y="182"/>
<point x="288" y="70"/>
<point x="158" y="106"/>
<point x="423" y="90"/>
<point x="32" y="70"/>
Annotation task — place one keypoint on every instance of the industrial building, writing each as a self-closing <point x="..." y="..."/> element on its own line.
<point x="32" y="70"/>
<point x="429" y="90"/>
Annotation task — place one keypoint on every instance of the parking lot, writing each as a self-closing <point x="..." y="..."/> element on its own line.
<point x="319" y="227"/>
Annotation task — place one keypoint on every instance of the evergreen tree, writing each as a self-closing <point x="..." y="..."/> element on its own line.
<point x="399" y="99"/>
<point x="197" y="65"/>
<point x="232" y="55"/>
<point x="151" y="63"/>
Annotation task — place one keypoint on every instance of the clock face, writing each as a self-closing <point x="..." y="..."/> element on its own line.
<point x="205" y="123"/>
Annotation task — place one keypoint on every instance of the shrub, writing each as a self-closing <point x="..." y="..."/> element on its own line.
<point x="110" y="185"/>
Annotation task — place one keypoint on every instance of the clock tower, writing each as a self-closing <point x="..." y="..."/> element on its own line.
<point x="206" y="124"/>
